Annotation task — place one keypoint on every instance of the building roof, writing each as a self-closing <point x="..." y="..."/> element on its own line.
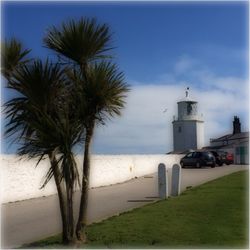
<point x="181" y="152"/>
<point x="232" y="137"/>
<point x="217" y="147"/>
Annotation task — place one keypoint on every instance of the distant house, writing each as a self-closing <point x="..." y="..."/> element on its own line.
<point x="236" y="143"/>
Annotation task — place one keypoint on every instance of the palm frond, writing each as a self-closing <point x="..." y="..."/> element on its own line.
<point x="13" y="55"/>
<point x="103" y="93"/>
<point x="41" y="117"/>
<point x="81" y="41"/>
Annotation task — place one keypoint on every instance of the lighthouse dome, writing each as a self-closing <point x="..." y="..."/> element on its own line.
<point x="187" y="99"/>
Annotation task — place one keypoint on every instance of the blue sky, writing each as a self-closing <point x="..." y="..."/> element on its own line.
<point x="162" y="47"/>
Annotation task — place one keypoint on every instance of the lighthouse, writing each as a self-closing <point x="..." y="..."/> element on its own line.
<point x="188" y="128"/>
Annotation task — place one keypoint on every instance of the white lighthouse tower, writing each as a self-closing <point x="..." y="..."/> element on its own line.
<point x="188" y="129"/>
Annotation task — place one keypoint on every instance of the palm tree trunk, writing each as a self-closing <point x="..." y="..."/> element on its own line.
<point x="61" y="197"/>
<point x="82" y="219"/>
<point x="70" y="214"/>
<point x="66" y="204"/>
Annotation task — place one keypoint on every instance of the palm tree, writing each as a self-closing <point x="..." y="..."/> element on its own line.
<point x="100" y="89"/>
<point x="41" y="119"/>
<point x="12" y="55"/>
<point x="103" y="96"/>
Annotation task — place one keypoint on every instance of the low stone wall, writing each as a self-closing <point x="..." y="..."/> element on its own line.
<point x="22" y="180"/>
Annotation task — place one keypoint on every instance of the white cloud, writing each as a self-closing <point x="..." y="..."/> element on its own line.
<point x="145" y="128"/>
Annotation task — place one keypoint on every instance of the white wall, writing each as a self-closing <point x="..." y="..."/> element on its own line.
<point x="21" y="180"/>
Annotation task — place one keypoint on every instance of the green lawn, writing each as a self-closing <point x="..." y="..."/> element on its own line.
<point x="214" y="215"/>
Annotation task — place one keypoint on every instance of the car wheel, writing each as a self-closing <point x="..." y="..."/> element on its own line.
<point x="213" y="165"/>
<point x="182" y="165"/>
<point x="220" y="164"/>
<point x="198" y="165"/>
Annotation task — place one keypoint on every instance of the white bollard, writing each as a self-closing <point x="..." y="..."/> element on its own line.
<point x="176" y="180"/>
<point x="162" y="181"/>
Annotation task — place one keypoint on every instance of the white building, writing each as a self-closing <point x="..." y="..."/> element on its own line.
<point x="188" y="128"/>
<point x="236" y="143"/>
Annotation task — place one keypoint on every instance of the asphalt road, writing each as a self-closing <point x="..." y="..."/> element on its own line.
<point x="34" y="219"/>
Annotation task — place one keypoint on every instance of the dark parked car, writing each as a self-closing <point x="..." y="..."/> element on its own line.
<point x="198" y="159"/>
<point x="220" y="157"/>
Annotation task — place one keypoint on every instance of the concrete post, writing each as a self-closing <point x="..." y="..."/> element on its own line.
<point x="176" y="180"/>
<point x="162" y="181"/>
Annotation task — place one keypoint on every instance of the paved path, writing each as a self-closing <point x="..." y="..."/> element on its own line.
<point x="34" y="219"/>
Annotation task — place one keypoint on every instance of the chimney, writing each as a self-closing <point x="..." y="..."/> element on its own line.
<point x="236" y="125"/>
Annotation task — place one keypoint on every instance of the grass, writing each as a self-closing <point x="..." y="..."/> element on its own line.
<point x="213" y="215"/>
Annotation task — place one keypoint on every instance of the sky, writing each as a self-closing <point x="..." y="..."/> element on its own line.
<point x="162" y="47"/>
